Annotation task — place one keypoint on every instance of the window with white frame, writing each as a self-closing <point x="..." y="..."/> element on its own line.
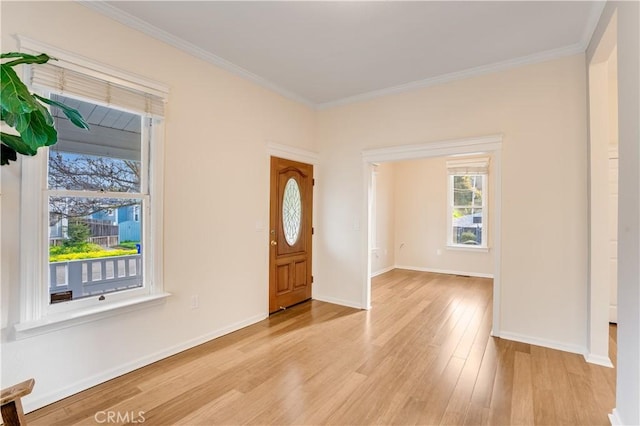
<point x="95" y="191"/>
<point x="91" y="242"/>
<point x="467" y="206"/>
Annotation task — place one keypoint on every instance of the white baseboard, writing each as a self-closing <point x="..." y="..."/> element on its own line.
<point x="576" y="349"/>
<point x="615" y="419"/>
<point x="613" y="314"/>
<point x="598" y="360"/>
<point x="382" y="271"/>
<point x="336" y="301"/>
<point x="444" y="271"/>
<point x="31" y="404"/>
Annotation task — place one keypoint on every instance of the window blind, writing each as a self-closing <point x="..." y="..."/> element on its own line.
<point x="66" y="81"/>
<point x="470" y="166"/>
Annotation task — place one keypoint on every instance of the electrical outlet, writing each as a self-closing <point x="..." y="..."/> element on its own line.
<point x="195" y="302"/>
<point x="439" y="252"/>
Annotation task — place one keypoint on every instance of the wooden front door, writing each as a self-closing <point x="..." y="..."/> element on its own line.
<point x="290" y="230"/>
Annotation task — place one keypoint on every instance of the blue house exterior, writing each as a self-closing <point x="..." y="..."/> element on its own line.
<point x="127" y="218"/>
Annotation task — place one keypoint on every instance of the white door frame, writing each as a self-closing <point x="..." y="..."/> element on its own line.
<point x="598" y="185"/>
<point x="492" y="145"/>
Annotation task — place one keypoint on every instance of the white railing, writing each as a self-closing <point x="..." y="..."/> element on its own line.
<point x="88" y="277"/>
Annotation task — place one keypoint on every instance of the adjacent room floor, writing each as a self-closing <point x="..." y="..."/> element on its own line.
<point x="421" y="355"/>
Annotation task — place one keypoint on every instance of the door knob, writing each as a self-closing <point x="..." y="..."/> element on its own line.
<point x="274" y="243"/>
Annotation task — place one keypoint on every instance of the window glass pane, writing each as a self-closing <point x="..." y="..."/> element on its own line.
<point x="467" y="190"/>
<point x="104" y="158"/>
<point x="96" y="244"/>
<point x="477" y="190"/>
<point x="467" y="226"/>
<point x="291" y="211"/>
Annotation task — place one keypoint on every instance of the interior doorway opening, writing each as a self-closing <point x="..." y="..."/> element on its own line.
<point x="489" y="146"/>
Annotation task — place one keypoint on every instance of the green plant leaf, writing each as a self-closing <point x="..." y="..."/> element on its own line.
<point x="14" y="95"/>
<point x="12" y="55"/>
<point x="35" y="128"/>
<point x="25" y="58"/>
<point x="26" y="112"/>
<point x="7" y="154"/>
<point x="72" y="114"/>
<point x="17" y="144"/>
<point x="45" y="113"/>
<point x="39" y="133"/>
<point x="18" y="121"/>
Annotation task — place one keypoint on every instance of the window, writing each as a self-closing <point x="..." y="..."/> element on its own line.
<point x="94" y="193"/>
<point x="91" y="243"/>
<point x="467" y="213"/>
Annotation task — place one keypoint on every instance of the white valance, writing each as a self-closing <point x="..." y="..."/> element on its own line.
<point x="89" y="85"/>
<point x="468" y="166"/>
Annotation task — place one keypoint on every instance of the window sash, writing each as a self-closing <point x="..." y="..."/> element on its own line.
<point x="116" y="296"/>
<point x="142" y="195"/>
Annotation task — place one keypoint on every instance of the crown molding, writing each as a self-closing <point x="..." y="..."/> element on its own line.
<point x="185" y="46"/>
<point x="155" y="32"/>
<point x="459" y="75"/>
<point x="574" y="49"/>
<point x="592" y="23"/>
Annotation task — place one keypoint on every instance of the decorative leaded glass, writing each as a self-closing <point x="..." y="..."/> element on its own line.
<point x="291" y="211"/>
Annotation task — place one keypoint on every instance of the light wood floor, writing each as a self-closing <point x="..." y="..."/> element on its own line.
<point x="422" y="355"/>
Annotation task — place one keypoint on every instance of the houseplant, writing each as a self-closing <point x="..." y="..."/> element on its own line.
<point x="25" y="112"/>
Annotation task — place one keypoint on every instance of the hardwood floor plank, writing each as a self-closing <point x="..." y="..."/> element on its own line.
<point x="543" y="384"/>
<point x="458" y="405"/>
<point x="329" y="400"/>
<point x="503" y="384"/>
<point x="483" y="388"/>
<point x="422" y="355"/>
<point x="436" y="404"/>
<point x="476" y="415"/>
<point x="566" y="411"/>
<point x="522" y="412"/>
<point x="202" y="416"/>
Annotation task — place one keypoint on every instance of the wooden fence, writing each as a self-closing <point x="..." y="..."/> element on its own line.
<point x="102" y="232"/>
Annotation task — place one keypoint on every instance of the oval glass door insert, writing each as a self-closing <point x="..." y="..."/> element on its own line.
<point x="291" y="211"/>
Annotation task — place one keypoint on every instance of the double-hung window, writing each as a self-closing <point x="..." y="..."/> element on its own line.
<point x="467" y="202"/>
<point x="91" y="203"/>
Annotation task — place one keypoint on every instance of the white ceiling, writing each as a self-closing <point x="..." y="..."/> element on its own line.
<point x="326" y="53"/>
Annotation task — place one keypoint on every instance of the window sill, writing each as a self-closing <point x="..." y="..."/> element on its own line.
<point x="69" y="319"/>
<point x="476" y="249"/>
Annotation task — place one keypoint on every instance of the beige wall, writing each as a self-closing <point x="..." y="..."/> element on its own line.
<point x="540" y="110"/>
<point x="421" y="222"/>
<point x="382" y="248"/>
<point x="216" y="194"/>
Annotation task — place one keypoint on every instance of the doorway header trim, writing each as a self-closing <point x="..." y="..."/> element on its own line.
<point x="434" y="149"/>
<point x="293" y="153"/>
